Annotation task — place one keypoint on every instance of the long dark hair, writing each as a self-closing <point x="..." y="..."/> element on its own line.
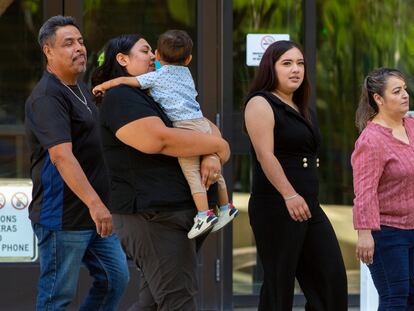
<point x="266" y="76"/>
<point x="110" y="68"/>
<point x="374" y="83"/>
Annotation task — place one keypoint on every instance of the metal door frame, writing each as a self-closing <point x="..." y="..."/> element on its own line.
<point x="215" y="87"/>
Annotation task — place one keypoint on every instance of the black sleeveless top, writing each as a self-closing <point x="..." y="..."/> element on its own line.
<point x="296" y="142"/>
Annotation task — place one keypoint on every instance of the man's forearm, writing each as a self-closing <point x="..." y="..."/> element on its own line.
<point x="73" y="175"/>
<point x="75" y="178"/>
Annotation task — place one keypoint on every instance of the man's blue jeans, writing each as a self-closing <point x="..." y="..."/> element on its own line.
<point x="392" y="269"/>
<point x="61" y="256"/>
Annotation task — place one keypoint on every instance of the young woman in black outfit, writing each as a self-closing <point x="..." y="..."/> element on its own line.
<point x="294" y="237"/>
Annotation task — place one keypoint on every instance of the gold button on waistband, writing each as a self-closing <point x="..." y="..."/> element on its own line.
<point x="305" y="164"/>
<point x="305" y="159"/>
<point x="317" y="160"/>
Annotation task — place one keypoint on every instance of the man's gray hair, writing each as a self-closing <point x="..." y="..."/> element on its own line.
<point x="48" y="30"/>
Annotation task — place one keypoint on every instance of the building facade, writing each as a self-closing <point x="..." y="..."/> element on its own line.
<point x="342" y="40"/>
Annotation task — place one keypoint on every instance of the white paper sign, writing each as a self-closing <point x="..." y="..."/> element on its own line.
<point x="256" y="45"/>
<point x="368" y="294"/>
<point x="17" y="239"/>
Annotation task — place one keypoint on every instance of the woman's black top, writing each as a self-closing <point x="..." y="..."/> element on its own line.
<point x="296" y="142"/>
<point x="139" y="182"/>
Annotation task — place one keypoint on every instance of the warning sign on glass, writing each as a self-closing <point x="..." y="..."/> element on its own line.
<point x="17" y="240"/>
<point x="256" y="45"/>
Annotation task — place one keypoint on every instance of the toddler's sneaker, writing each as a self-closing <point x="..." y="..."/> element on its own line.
<point x="202" y="224"/>
<point x="225" y="216"/>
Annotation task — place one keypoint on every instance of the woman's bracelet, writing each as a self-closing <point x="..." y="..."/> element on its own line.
<point x="291" y="197"/>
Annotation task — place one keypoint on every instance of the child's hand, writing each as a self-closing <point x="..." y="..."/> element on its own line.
<point x="98" y="90"/>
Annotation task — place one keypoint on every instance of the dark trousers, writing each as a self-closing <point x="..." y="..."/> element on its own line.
<point x="392" y="269"/>
<point x="308" y="251"/>
<point x="158" y="243"/>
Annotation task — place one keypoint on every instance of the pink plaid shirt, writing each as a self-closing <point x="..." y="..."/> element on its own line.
<point x="383" y="169"/>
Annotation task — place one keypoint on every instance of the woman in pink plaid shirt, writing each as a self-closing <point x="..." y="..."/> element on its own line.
<point x="383" y="168"/>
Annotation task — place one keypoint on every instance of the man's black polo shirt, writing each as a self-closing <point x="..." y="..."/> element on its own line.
<point x="54" y="115"/>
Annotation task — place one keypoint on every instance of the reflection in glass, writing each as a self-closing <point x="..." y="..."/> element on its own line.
<point x="352" y="39"/>
<point x="105" y="19"/>
<point x="20" y="69"/>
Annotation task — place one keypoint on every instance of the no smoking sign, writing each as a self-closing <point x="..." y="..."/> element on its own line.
<point x="17" y="240"/>
<point x="266" y="41"/>
<point x="256" y="45"/>
<point x="19" y="200"/>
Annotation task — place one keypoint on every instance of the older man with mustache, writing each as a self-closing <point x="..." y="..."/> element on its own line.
<point x="70" y="186"/>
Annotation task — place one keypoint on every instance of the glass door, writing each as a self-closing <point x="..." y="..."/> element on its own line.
<point x="105" y="19"/>
<point x="20" y="68"/>
<point x="251" y="17"/>
<point x="343" y="59"/>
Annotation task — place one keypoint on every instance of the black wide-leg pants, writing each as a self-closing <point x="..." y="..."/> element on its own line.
<point x="308" y="251"/>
